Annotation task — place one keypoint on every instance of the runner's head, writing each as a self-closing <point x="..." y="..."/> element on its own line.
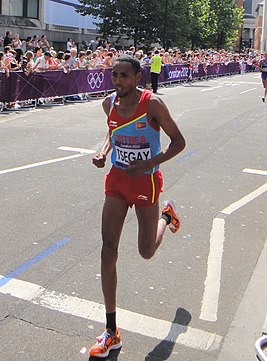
<point x="135" y="63"/>
<point x="126" y="74"/>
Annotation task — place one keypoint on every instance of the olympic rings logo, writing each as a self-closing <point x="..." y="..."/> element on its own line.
<point x="95" y="80"/>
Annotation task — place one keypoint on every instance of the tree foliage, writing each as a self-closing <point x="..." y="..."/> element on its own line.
<point x="214" y="23"/>
<point x="134" y="19"/>
<point x="186" y="23"/>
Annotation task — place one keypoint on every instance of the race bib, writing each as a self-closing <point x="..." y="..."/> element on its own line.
<point x="133" y="152"/>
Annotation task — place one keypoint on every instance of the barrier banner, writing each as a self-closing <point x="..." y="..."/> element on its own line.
<point x="57" y="83"/>
<point x="216" y="69"/>
<point x="172" y="72"/>
<point x="4" y="87"/>
<point x="36" y="85"/>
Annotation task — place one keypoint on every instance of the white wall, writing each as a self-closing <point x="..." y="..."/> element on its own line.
<point x="58" y="12"/>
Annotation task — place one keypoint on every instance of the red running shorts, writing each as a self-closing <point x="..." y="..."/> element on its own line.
<point x="143" y="190"/>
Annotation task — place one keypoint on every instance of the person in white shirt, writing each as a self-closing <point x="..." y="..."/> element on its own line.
<point x="69" y="44"/>
<point x="17" y="46"/>
<point x="43" y="62"/>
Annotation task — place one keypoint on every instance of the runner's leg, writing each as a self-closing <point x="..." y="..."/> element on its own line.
<point x="151" y="229"/>
<point x="113" y="216"/>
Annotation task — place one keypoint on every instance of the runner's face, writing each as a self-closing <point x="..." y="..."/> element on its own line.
<point x="124" y="78"/>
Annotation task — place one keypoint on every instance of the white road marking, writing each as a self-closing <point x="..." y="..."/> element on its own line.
<point x="212" y="284"/>
<point x="248" y="198"/>
<point x="249" y="90"/>
<point x="210" y="301"/>
<point x="209" y="89"/>
<point x="45" y="162"/>
<point x="127" y="320"/>
<point x="80" y="150"/>
<point x="255" y="171"/>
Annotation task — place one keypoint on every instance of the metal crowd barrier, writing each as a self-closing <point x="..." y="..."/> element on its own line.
<point x="260" y="344"/>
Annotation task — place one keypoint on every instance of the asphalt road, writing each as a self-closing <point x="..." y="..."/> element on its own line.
<point x="203" y="296"/>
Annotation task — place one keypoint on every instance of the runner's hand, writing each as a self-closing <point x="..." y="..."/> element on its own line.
<point x="137" y="167"/>
<point x="99" y="160"/>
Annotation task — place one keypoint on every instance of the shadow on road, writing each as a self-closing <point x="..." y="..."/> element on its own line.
<point x="164" y="349"/>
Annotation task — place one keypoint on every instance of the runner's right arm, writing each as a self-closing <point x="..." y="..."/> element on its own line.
<point x="99" y="159"/>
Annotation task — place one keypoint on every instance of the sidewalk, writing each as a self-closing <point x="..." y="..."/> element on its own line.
<point x="250" y="320"/>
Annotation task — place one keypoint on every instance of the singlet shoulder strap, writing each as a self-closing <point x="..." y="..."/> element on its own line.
<point x="111" y="102"/>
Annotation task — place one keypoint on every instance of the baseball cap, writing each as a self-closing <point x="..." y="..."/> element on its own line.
<point x="47" y="53"/>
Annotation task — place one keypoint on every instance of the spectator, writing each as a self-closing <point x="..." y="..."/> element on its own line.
<point x="81" y="60"/>
<point x="3" y="66"/>
<point x="2" y="63"/>
<point x="17" y="46"/>
<point x="60" y="59"/>
<point x="155" y="70"/>
<point x="43" y="62"/>
<point x="93" y="45"/>
<point x="73" y="58"/>
<point x="69" y="44"/>
<point x="29" y="55"/>
<point x="84" y="45"/>
<point x="12" y="63"/>
<point x="37" y="53"/>
<point x="53" y="61"/>
<point x="66" y="63"/>
<point x="147" y="58"/>
<point x="108" y="61"/>
<point x="43" y="43"/>
<point x="35" y="41"/>
<point x="7" y="39"/>
<point x="95" y="62"/>
<point x="88" y="59"/>
<point x="29" y="46"/>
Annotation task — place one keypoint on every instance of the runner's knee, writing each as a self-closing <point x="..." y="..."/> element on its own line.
<point x="147" y="252"/>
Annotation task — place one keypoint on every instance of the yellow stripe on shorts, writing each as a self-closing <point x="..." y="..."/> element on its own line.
<point x="153" y="188"/>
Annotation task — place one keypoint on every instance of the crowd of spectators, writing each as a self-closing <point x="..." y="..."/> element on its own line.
<point x="34" y="54"/>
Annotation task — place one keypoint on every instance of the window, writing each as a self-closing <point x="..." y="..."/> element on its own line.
<point x="248" y="7"/>
<point x="16" y="7"/>
<point x="25" y="8"/>
<point x="32" y="9"/>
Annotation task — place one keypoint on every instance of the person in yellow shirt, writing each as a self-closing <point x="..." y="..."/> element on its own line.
<point x="155" y="69"/>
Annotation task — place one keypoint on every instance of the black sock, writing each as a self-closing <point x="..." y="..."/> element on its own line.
<point x="111" y="321"/>
<point x="166" y="217"/>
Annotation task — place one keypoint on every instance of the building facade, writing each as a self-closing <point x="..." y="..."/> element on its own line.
<point x="57" y="19"/>
<point x="254" y="26"/>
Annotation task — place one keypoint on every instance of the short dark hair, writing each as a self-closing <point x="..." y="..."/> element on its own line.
<point x="66" y="56"/>
<point x="135" y="63"/>
<point x="60" y="55"/>
<point x="7" y="48"/>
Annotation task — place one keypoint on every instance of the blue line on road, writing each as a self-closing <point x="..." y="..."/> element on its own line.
<point x="186" y="156"/>
<point x="31" y="262"/>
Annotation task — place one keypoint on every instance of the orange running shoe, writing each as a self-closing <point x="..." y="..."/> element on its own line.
<point x="105" y="343"/>
<point x="169" y="209"/>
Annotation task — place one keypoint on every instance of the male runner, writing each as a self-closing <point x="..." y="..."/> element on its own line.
<point x="263" y="69"/>
<point x="135" y="117"/>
